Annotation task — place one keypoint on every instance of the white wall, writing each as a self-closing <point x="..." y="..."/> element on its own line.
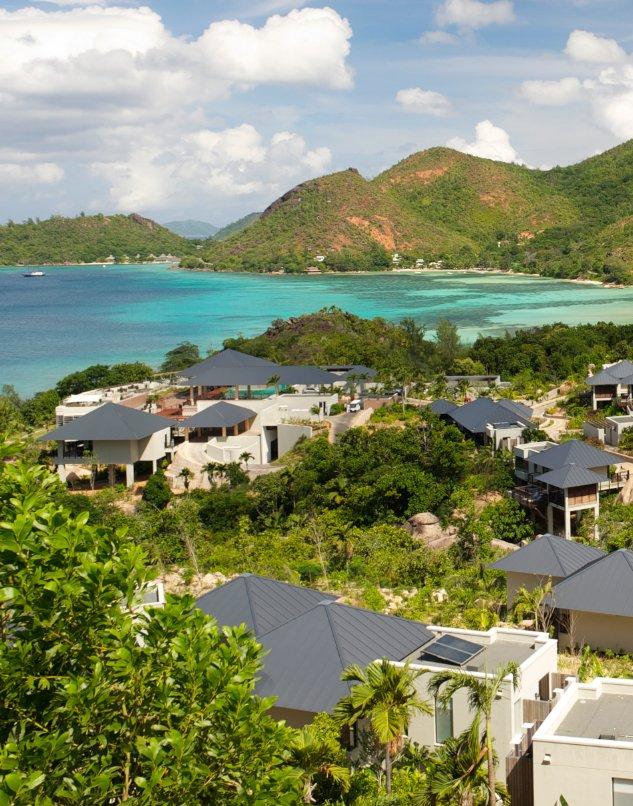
<point x="581" y="769"/>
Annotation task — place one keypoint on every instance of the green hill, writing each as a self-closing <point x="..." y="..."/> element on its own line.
<point x="236" y="226"/>
<point x="441" y="204"/>
<point x="192" y="229"/>
<point x="86" y="239"/>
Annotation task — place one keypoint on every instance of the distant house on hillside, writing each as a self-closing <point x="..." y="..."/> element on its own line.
<point x="500" y="423"/>
<point x="614" y="382"/>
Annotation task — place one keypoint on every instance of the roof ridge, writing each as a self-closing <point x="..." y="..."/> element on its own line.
<point x="247" y="579"/>
<point x="554" y="547"/>
<point x="334" y="636"/>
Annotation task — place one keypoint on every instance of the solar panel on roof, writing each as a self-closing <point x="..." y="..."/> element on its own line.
<point x="451" y="649"/>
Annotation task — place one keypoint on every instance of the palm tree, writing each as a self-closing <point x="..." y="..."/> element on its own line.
<point x="482" y="694"/>
<point x="246" y="458"/>
<point x="384" y="694"/>
<point x="534" y="602"/>
<point x="185" y="474"/>
<point x="314" y="754"/>
<point x="210" y="469"/>
<point x="462" y="388"/>
<point x="456" y="772"/>
<point x="274" y="380"/>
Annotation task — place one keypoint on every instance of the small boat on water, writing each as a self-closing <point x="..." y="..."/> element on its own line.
<point x="36" y="273"/>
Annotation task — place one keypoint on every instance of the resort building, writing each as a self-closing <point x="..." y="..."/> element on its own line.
<point x="583" y="751"/>
<point x="112" y="435"/>
<point x="133" y="395"/>
<point x="310" y="637"/>
<point x="549" y="557"/>
<point x="595" y="605"/>
<point x="474" y="381"/>
<point x="559" y="482"/>
<point x="499" y="423"/>
<point x="613" y="383"/>
<point x="608" y="430"/>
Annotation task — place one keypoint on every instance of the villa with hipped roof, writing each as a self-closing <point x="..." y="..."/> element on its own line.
<point x="549" y="557"/>
<point x="112" y="435"/>
<point x="499" y="423"/>
<point x="310" y="638"/>
<point x="558" y="482"/>
<point x="614" y="382"/>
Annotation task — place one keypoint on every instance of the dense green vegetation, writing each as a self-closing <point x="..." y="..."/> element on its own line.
<point x="87" y="239"/>
<point x="236" y="226"/>
<point x="444" y="205"/>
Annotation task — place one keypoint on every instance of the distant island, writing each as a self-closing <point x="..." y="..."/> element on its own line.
<point x="435" y="209"/>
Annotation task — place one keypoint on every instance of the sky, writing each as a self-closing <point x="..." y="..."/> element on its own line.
<point x="210" y="109"/>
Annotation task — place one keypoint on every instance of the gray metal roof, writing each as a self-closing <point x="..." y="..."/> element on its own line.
<point x="259" y="602"/>
<point x="219" y="415"/>
<point x="571" y="476"/>
<point x="574" y="452"/>
<point x="230" y="367"/>
<point x="290" y="375"/>
<point x="110" y="422"/>
<point x="516" y="408"/>
<point x="549" y="556"/>
<point x="307" y="655"/>
<point x="442" y="406"/>
<point x="603" y="586"/>
<point x="475" y="416"/>
<point x="610" y="376"/>
<point x="343" y="371"/>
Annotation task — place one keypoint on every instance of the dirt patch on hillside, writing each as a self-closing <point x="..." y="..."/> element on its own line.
<point x="494" y="198"/>
<point x="380" y="230"/>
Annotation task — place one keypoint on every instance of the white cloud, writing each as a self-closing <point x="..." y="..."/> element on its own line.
<point x="75" y="2"/>
<point x="584" y="46"/>
<point x="438" y="38"/>
<point x="42" y="173"/>
<point x="552" y="93"/>
<point x="424" y="102"/>
<point x="491" y="142"/>
<point x="111" y="90"/>
<point x="209" y="165"/>
<point x="308" y="45"/>
<point x="475" y="13"/>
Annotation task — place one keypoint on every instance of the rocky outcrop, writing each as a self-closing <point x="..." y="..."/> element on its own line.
<point x="426" y="527"/>
<point x="174" y="582"/>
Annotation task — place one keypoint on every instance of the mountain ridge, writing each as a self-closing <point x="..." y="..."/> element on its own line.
<point x="442" y="204"/>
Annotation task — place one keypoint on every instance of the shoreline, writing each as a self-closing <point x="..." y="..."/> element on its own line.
<point x="480" y="270"/>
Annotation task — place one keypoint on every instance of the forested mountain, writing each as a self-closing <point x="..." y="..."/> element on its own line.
<point x="442" y="204"/>
<point x="86" y="239"/>
<point x="236" y="226"/>
<point x="190" y="228"/>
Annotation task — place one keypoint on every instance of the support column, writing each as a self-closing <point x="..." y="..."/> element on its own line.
<point x="191" y="397"/>
<point x="550" y="519"/>
<point x="567" y="524"/>
<point x="154" y="465"/>
<point x="596" y="528"/>
<point x="249" y="392"/>
<point x="129" y="475"/>
<point x="235" y="431"/>
<point x="111" y="475"/>
<point x="223" y="432"/>
<point x="237" y="392"/>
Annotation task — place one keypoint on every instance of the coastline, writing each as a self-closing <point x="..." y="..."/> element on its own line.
<point x="480" y="270"/>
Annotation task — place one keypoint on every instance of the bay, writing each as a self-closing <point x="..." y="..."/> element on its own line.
<point x="81" y="315"/>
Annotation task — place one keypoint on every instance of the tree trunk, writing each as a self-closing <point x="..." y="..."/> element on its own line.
<point x="492" y="790"/>
<point x="388" y="767"/>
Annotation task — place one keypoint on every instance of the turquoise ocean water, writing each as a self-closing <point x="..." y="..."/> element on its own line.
<point x="80" y="315"/>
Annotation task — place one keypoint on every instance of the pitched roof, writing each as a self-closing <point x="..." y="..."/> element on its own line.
<point x="571" y="476"/>
<point x="549" y="555"/>
<point x="230" y="367"/>
<point x="574" y="452"/>
<point x="343" y="371"/>
<point x="110" y="422"/>
<point x="289" y="374"/>
<point x="475" y="416"/>
<point x="441" y="406"/>
<point x="259" y="602"/>
<point x="219" y="415"/>
<point x="603" y="586"/>
<point x="621" y="372"/>
<point x="518" y="409"/>
<point x="307" y="655"/>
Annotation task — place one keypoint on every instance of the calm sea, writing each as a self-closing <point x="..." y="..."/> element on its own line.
<point x="81" y="315"/>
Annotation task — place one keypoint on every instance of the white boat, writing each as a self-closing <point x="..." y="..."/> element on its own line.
<point x="37" y="273"/>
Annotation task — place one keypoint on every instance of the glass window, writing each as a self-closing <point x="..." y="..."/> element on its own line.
<point x="622" y="792"/>
<point x="443" y="721"/>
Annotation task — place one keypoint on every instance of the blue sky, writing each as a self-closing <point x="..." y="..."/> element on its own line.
<point x="211" y="109"/>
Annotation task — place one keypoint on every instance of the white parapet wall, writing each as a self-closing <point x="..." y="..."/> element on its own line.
<point x="585" y="769"/>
